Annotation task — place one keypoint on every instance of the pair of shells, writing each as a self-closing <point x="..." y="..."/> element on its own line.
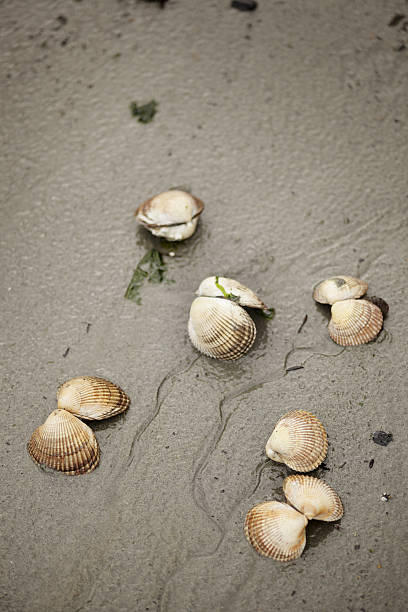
<point x="172" y="215"/>
<point x="299" y="440"/>
<point x="353" y="321"/>
<point x="278" y="530"/>
<point x="64" y="442"/>
<point x="218" y="325"/>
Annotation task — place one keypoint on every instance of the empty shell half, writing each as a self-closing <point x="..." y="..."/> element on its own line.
<point x="172" y="215"/>
<point x="355" y="322"/>
<point x="220" y="286"/>
<point x="313" y="497"/>
<point x="276" y="530"/>
<point x="64" y="443"/>
<point x="299" y="440"/>
<point x="220" y="328"/>
<point x="339" y="288"/>
<point x="92" y="398"/>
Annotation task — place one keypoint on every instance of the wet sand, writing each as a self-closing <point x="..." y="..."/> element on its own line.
<point x="290" y="123"/>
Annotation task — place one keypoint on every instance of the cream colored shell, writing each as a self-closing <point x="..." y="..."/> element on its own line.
<point x="276" y="530"/>
<point x="92" y="398"/>
<point x="355" y="322"/>
<point x="246" y="297"/>
<point x="172" y="215"/>
<point x="220" y="328"/>
<point x="313" y="497"/>
<point x="64" y="443"/>
<point x="339" y="288"/>
<point x="299" y="440"/>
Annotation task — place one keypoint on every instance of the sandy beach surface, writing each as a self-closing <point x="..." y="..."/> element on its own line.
<point x="290" y="123"/>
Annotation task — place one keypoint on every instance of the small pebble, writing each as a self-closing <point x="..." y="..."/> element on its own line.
<point x="244" y="5"/>
<point x="382" y="438"/>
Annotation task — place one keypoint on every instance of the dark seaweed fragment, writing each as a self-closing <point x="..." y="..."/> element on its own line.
<point x="145" y="112"/>
<point x="395" y="20"/>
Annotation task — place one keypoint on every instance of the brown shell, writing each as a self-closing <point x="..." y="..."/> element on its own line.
<point x="299" y="440"/>
<point x="313" y="497"/>
<point x="220" y="328"/>
<point x="64" y="443"/>
<point x="355" y="322"/>
<point x="276" y="530"/>
<point x="339" y="288"/>
<point x="92" y="398"/>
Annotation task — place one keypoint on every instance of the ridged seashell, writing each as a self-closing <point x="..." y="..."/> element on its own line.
<point x="276" y="530"/>
<point x="246" y="297"/>
<point x="313" y="497"/>
<point x="339" y="288"/>
<point x="64" y="443"/>
<point x="220" y="328"/>
<point x="354" y="322"/>
<point x="92" y="398"/>
<point x="172" y="214"/>
<point x="382" y="304"/>
<point x="299" y="440"/>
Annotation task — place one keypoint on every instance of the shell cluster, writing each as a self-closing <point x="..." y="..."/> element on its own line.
<point x="354" y="321"/>
<point x="64" y="442"/>
<point x="172" y="215"/>
<point x="278" y="530"/>
<point x="218" y="325"/>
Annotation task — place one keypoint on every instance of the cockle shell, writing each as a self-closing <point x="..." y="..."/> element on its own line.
<point x="220" y="328"/>
<point x="172" y="214"/>
<point x="313" y="497"/>
<point x="64" y="443"/>
<point x="354" y="322"/>
<point x="299" y="440"/>
<point x="276" y="530"/>
<point x="92" y="398"/>
<point x="245" y="296"/>
<point x="339" y="288"/>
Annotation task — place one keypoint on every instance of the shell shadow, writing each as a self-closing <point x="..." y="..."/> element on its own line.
<point x="110" y="423"/>
<point x="324" y="310"/>
<point x="317" y="532"/>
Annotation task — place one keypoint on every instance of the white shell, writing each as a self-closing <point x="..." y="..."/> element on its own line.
<point x="299" y="440"/>
<point x="89" y="397"/>
<point x="246" y="297"/>
<point x="172" y="214"/>
<point x="276" y="530"/>
<point x="313" y="497"/>
<point x="220" y="328"/>
<point x="354" y="322"/>
<point x="339" y="288"/>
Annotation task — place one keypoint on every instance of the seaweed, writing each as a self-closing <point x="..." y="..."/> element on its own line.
<point x="229" y="296"/>
<point x="145" y="112"/>
<point x="151" y="268"/>
<point x="268" y="313"/>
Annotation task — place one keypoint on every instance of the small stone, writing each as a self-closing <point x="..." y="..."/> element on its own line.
<point x="244" y="5"/>
<point x="382" y="438"/>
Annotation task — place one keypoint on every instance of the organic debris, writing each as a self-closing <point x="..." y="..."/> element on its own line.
<point x="382" y="438"/>
<point x="144" y="113"/>
<point x="395" y="20"/>
<point x="370" y="465"/>
<point x="244" y="5"/>
<point x="302" y="324"/>
<point x="151" y="268"/>
<point x="385" y="497"/>
<point x="268" y="313"/>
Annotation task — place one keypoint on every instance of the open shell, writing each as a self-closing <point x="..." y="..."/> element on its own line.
<point x="276" y="530"/>
<point x="313" y="497"/>
<point x="245" y="297"/>
<point x="92" y="398"/>
<point x="355" y="322"/>
<point x="299" y="440"/>
<point x="220" y="328"/>
<point x="339" y="288"/>
<point x="64" y="443"/>
<point x="172" y="215"/>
